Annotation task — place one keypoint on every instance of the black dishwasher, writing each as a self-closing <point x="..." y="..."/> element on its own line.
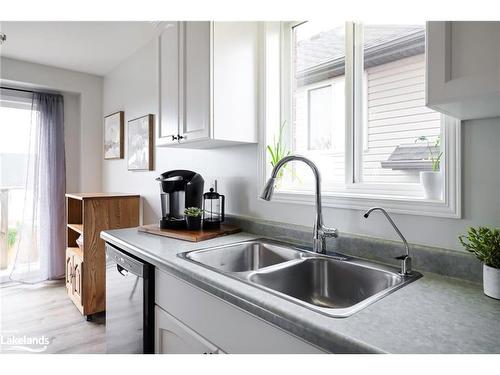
<point x="129" y="303"/>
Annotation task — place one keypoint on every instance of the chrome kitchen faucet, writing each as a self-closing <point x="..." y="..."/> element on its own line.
<point x="320" y="232"/>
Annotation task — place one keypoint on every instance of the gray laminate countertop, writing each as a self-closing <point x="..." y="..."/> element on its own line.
<point x="434" y="314"/>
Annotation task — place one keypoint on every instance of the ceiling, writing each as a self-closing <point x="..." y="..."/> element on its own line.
<point x="89" y="47"/>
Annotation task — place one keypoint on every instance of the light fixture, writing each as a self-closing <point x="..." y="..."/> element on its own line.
<point x="160" y="25"/>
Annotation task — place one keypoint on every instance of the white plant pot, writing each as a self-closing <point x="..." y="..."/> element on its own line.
<point x="432" y="183"/>
<point x="491" y="281"/>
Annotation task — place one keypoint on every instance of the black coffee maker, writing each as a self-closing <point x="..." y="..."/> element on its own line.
<point x="179" y="189"/>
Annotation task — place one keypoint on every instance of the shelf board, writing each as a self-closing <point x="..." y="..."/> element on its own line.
<point x="76" y="227"/>
<point x="76" y="250"/>
<point x="82" y="196"/>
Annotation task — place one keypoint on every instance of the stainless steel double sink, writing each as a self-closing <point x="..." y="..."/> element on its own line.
<point x="335" y="285"/>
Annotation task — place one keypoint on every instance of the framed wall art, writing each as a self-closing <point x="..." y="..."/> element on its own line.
<point x="140" y="144"/>
<point x="113" y="135"/>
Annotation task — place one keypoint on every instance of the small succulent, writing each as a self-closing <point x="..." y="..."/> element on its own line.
<point x="193" y="211"/>
<point x="484" y="243"/>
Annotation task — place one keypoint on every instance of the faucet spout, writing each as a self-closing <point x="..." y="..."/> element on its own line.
<point x="405" y="258"/>
<point x="320" y="232"/>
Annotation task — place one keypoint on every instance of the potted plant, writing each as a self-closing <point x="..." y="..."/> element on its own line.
<point x="485" y="244"/>
<point x="278" y="151"/>
<point x="193" y="218"/>
<point x="432" y="181"/>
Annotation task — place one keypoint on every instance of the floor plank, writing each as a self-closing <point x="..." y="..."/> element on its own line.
<point x="45" y="309"/>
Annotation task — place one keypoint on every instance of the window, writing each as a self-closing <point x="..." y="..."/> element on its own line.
<point x="393" y="105"/>
<point x="352" y="99"/>
<point x="317" y="103"/>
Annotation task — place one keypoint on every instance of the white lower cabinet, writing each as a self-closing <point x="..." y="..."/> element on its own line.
<point x="191" y="320"/>
<point x="174" y="337"/>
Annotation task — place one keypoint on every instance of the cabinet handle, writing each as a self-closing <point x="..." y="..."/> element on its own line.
<point x="174" y="138"/>
<point x="180" y="137"/>
<point x="121" y="270"/>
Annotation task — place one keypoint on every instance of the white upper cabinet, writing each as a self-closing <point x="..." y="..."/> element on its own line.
<point x="168" y="129"/>
<point x="195" y="88"/>
<point x="463" y="68"/>
<point x="208" y="84"/>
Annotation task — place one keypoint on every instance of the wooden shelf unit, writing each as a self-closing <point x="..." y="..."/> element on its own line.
<point x="88" y="214"/>
<point x="75" y="250"/>
<point x="78" y="228"/>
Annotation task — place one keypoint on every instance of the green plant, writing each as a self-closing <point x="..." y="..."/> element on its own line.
<point x="484" y="243"/>
<point x="11" y="237"/>
<point x="434" y="157"/>
<point x="193" y="211"/>
<point x="277" y="150"/>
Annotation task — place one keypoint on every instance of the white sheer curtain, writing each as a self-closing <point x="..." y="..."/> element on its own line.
<point x="41" y="247"/>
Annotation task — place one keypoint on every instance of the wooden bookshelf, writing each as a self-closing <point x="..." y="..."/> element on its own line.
<point x="75" y="250"/>
<point x="88" y="214"/>
<point x="78" y="228"/>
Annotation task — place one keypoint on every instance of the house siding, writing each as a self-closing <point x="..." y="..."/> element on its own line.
<point x="396" y="114"/>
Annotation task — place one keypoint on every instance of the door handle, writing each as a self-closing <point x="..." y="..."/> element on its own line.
<point x="121" y="270"/>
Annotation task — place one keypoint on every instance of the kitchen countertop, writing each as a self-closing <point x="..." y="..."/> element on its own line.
<point x="434" y="314"/>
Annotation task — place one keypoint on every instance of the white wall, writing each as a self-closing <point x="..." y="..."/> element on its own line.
<point x="72" y="140"/>
<point x="83" y="116"/>
<point x="132" y="87"/>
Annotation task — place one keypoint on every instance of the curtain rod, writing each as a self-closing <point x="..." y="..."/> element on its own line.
<point x="11" y="88"/>
<point x="31" y="91"/>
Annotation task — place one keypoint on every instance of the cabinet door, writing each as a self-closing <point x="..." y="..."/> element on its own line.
<point x="173" y="337"/>
<point x="463" y="68"/>
<point x="235" y="56"/>
<point x="195" y="88"/>
<point x="168" y="129"/>
<point x="74" y="278"/>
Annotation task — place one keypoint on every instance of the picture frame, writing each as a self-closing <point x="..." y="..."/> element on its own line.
<point x="114" y="134"/>
<point x="140" y="143"/>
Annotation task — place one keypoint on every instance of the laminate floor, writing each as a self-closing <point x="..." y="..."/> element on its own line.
<point x="44" y="309"/>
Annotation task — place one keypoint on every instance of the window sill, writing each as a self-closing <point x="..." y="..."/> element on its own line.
<point x="355" y="201"/>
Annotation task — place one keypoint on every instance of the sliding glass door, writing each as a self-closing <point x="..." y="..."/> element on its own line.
<point x="18" y="216"/>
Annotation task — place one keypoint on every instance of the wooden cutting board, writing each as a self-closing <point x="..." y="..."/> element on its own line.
<point x="190" y="235"/>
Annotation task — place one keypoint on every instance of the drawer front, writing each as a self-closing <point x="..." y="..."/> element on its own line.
<point x="232" y="329"/>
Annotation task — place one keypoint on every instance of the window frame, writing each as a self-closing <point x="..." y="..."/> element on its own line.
<point x="354" y="194"/>
<point x="330" y="83"/>
<point x="12" y="98"/>
<point x="308" y="90"/>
